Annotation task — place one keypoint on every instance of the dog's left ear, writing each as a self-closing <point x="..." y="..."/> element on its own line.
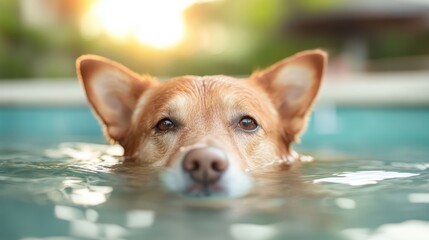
<point x="293" y="84"/>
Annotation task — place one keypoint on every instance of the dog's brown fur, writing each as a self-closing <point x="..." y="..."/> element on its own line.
<point x="205" y="110"/>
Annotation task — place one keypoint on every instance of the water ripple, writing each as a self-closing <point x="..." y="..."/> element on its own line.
<point x="363" y="177"/>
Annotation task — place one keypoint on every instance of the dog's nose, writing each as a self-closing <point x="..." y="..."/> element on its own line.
<point x="205" y="165"/>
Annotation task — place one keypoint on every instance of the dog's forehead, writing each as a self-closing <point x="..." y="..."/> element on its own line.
<point x="215" y="89"/>
<point x="204" y="84"/>
<point x="218" y="97"/>
<point x="213" y="92"/>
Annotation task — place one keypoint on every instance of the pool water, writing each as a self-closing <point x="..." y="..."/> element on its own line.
<point x="369" y="180"/>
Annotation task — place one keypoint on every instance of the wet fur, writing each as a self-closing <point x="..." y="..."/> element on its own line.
<point x="206" y="110"/>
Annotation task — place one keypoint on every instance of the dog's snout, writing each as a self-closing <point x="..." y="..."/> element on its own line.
<point x="205" y="165"/>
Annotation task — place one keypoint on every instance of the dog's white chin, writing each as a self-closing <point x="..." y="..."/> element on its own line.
<point x="233" y="183"/>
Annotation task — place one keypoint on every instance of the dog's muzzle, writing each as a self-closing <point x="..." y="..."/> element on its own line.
<point x="205" y="165"/>
<point x="206" y="171"/>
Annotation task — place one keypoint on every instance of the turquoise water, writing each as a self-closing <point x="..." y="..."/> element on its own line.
<point x="370" y="180"/>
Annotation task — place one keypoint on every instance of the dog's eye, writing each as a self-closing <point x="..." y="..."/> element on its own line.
<point x="248" y="124"/>
<point x="165" y="125"/>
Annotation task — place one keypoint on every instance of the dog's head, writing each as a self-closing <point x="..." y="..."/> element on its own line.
<point x="209" y="131"/>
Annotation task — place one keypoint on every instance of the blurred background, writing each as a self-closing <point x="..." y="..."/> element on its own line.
<point x="377" y="78"/>
<point x="42" y="38"/>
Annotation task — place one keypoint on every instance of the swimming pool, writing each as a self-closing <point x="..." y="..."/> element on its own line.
<point x="370" y="180"/>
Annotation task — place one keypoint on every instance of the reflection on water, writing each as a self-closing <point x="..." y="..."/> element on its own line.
<point x="253" y="231"/>
<point x="363" y="177"/>
<point x="345" y="203"/>
<point x="85" y="223"/>
<point x="85" y="191"/>
<point x="418" y="197"/>
<point x="90" y="196"/>
<point x="411" y="229"/>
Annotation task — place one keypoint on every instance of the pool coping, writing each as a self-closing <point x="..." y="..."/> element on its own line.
<point x="394" y="89"/>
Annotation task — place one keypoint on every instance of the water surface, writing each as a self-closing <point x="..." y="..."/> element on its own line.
<point x="369" y="180"/>
<point x="83" y="191"/>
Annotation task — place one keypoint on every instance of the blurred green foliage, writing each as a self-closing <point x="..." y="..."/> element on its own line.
<point x="251" y="34"/>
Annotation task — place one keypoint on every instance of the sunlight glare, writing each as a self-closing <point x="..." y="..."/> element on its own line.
<point x="159" y="24"/>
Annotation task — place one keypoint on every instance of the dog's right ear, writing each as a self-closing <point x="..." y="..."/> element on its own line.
<point x="113" y="91"/>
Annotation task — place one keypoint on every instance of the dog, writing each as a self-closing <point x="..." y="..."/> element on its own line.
<point x="208" y="133"/>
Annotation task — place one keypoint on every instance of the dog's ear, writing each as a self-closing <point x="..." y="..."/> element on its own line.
<point x="292" y="84"/>
<point x="113" y="91"/>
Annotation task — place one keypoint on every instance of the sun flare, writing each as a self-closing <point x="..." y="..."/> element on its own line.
<point x="159" y="24"/>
